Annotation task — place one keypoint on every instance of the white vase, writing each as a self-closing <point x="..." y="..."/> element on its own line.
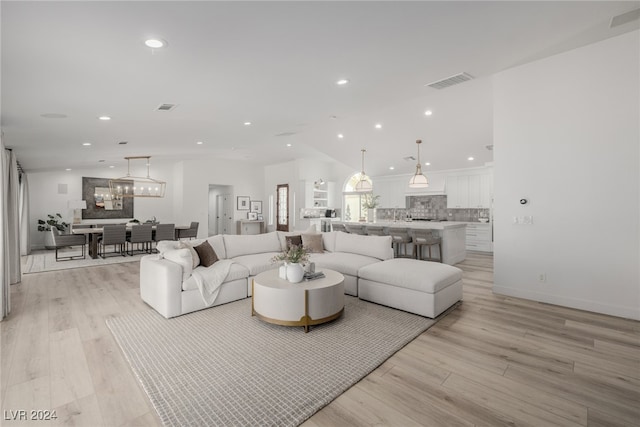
<point x="48" y="240"/>
<point x="295" y="272"/>
<point x="371" y="214"/>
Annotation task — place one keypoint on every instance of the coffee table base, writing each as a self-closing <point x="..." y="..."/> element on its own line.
<point x="304" y="321"/>
<point x="305" y="304"/>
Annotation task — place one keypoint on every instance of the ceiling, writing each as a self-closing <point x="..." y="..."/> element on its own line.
<point x="274" y="64"/>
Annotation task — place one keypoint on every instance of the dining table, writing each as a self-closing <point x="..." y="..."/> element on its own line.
<point x="94" y="233"/>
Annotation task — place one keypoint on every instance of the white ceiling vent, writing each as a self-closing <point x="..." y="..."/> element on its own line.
<point x="286" y="133"/>
<point x="450" y="81"/>
<point x="166" y="107"/>
<point x="632" y="15"/>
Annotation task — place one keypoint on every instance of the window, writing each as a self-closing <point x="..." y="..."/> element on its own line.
<point x="353" y="210"/>
<point x="282" y="207"/>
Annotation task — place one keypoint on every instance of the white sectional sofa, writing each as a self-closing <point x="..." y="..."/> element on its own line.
<point x="167" y="283"/>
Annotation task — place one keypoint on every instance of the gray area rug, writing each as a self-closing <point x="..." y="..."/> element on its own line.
<point x="45" y="260"/>
<point x="222" y="367"/>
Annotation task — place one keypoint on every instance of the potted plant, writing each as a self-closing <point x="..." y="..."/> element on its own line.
<point x="293" y="259"/>
<point x="370" y="203"/>
<point x="48" y="224"/>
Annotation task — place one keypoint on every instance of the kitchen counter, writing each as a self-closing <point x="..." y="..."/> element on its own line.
<point x="453" y="234"/>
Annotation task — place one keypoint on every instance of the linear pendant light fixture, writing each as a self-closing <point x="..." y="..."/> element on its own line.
<point x="135" y="186"/>
<point x="364" y="184"/>
<point x="418" y="180"/>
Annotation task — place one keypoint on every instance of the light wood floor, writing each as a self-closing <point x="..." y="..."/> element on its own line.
<point x="493" y="361"/>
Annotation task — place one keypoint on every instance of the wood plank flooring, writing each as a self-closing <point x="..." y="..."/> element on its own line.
<point x="494" y="361"/>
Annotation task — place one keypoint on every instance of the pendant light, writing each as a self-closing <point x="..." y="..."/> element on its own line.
<point x="418" y="180"/>
<point x="136" y="186"/>
<point x="364" y="185"/>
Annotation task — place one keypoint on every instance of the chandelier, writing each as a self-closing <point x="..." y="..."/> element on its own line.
<point x="135" y="186"/>
<point x="364" y="184"/>
<point x="418" y="180"/>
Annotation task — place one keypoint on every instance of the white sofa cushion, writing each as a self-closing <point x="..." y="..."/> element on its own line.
<point x="181" y="257"/>
<point x="373" y="246"/>
<point x="238" y="245"/>
<point x="257" y="263"/>
<point x="423" y="276"/>
<point x="329" y="240"/>
<point x="236" y="272"/>
<point x="282" y="235"/>
<point x="343" y="262"/>
<point x="168" y="245"/>
<point x="217" y="243"/>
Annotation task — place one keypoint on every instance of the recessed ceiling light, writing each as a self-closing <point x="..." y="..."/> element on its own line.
<point x="86" y="144"/>
<point x="199" y="142"/>
<point x="155" y="43"/>
<point x="340" y="136"/>
<point x="68" y="169"/>
<point x="112" y="166"/>
<point x="105" y="118"/>
<point x="342" y="82"/>
<point x="427" y="164"/>
<point x="288" y="145"/>
<point x="247" y="123"/>
<point x="391" y="168"/>
<point x="469" y="158"/>
<point x="378" y="126"/>
<point x="428" y="113"/>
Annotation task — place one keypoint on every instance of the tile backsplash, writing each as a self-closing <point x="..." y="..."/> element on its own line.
<point x="434" y="207"/>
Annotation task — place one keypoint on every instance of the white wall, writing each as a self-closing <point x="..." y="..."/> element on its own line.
<point x="44" y="197"/>
<point x="567" y="137"/>
<point x="247" y="180"/>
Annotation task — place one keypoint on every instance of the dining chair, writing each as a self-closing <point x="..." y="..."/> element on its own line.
<point x="356" y="229"/>
<point x="339" y="227"/>
<point x="422" y="238"/>
<point x="115" y="235"/>
<point x="164" y="232"/>
<point x="66" y="240"/>
<point x="376" y="231"/>
<point x="400" y="238"/>
<point x="191" y="232"/>
<point x="140" y="235"/>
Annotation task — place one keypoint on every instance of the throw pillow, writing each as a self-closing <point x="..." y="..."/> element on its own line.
<point x="312" y="243"/>
<point x="206" y="253"/>
<point x="293" y="240"/>
<point x="194" y="254"/>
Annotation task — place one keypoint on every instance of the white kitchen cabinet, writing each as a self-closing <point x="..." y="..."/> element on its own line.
<point x="479" y="237"/>
<point x="480" y="189"/>
<point x="469" y="191"/>
<point x="457" y="188"/>
<point x="391" y="191"/>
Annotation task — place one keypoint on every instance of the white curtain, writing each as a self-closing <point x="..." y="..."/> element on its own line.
<point x="25" y="232"/>
<point x="9" y="229"/>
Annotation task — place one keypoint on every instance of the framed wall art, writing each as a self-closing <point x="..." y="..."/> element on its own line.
<point x="243" y="203"/>
<point x="256" y="206"/>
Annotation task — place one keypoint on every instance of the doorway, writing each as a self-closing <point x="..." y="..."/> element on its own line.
<point x="220" y="215"/>
<point x="282" y="207"/>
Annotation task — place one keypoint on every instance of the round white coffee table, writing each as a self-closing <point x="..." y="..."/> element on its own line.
<point x="303" y="304"/>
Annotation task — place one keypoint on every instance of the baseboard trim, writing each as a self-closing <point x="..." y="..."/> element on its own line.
<point x="593" y="306"/>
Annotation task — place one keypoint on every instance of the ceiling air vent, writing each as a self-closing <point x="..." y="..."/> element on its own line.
<point x="409" y="158"/>
<point x="123" y="142"/>
<point x="625" y="18"/>
<point x="166" y="107"/>
<point x="450" y="81"/>
<point x="286" y="133"/>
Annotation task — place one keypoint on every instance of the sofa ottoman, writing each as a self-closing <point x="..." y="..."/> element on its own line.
<point x="420" y="287"/>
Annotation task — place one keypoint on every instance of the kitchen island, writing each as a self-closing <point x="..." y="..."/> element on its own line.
<point x="453" y="235"/>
